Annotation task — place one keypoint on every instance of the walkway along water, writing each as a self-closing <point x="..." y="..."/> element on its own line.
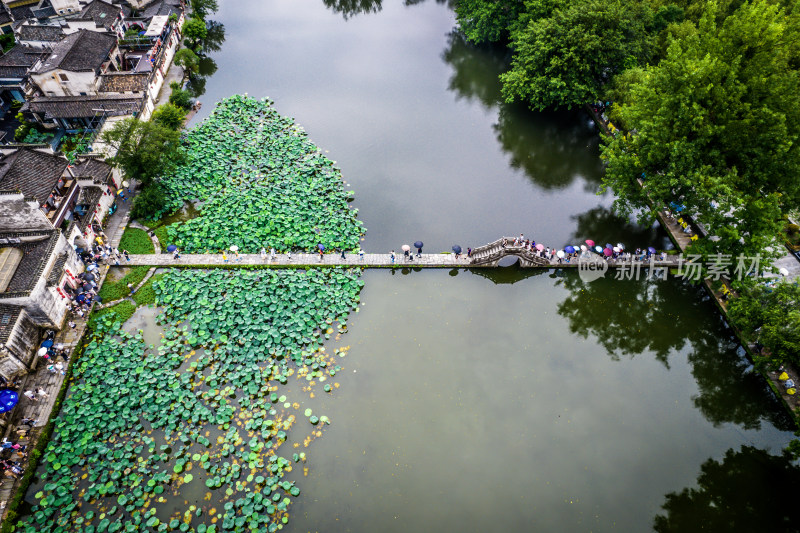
<point x="487" y="256"/>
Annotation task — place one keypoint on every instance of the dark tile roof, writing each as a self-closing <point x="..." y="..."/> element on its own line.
<point x="5" y="17"/>
<point x="39" y="32"/>
<point x="35" y="255"/>
<point x="34" y="173"/>
<point x="84" y="106"/>
<point x="120" y="82"/>
<point x="30" y="11"/>
<point x="18" y="60"/>
<point x="81" y="51"/>
<point x="103" y="13"/>
<point x="89" y="196"/>
<point x="57" y="270"/>
<point x="162" y="8"/>
<point x="9" y="314"/>
<point x="93" y="168"/>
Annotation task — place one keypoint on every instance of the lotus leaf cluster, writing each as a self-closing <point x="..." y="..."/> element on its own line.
<point x="258" y="181"/>
<point x="199" y="413"/>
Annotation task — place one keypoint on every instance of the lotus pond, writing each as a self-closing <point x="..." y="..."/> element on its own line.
<point x="261" y="182"/>
<point x="205" y="415"/>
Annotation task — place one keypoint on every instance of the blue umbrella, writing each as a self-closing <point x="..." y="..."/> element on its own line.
<point x="321" y="247"/>
<point x="8" y="399"/>
<point x="47" y="344"/>
<point x="457" y="249"/>
<point x="171" y="248"/>
<point x="651" y="250"/>
<point x="569" y="250"/>
<point x="79" y="250"/>
<point x="418" y="244"/>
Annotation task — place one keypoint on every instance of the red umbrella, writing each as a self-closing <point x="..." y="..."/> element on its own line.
<point x="590" y="242"/>
<point x="540" y="247"/>
<point x="607" y="252"/>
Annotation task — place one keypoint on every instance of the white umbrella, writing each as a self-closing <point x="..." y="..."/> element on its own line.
<point x="125" y="183"/>
<point x="234" y="248"/>
<point x="620" y="246"/>
<point x="405" y="248"/>
<point x="617" y="249"/>
<point x="783" y="271"/>
<point x="560" y="253"/>
<point x="583" y="248"/>
<point x="41" y="352"/>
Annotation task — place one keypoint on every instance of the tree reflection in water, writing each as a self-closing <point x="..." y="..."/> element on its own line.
<point x="196" y="85"/>
<point x="349" y="8"/>
<point x="631" y="317"/>
<point x="749" y="490"/>
<point x="552" y="148"/>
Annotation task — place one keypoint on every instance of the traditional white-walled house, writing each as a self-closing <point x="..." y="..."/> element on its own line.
<point x="75" y="64"/>
<point x="19" y="336"/>
<point x="14" y="65"/>
<point x="35" y="266"/>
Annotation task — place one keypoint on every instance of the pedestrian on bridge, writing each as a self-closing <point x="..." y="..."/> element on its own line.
<point x="343" y="257"/>
<point x="263" y="254"/>
<point x="469" y="252"/>
<point x="392" y="256"/>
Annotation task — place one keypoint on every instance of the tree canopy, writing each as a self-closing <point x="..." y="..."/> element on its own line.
<point x="169" y="115"/>
<point x="145" y="150"/>
<point x="715" y="128"/>
<point x="201" y="8"/>
<point x="771" y="316"/>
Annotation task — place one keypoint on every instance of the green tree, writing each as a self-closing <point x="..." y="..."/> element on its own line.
<point x="566" y="58"/>
<point x="186" y="58"/>
<point x="170" y="116"/>
<point x="771" y="316"/>
<point x="145" y="150"/>
<point x="489" y="20"/>
<point x="716" y="127"/>
<point x="195" y="31"/>
<point x="149" y="203"/>
<point x="201" y="8"/>
<point x="179" y="97"/>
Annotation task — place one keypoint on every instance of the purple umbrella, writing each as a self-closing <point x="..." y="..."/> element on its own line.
<point x="651" y="250"/>
<point x="569" y="250"/>
<point x="607" y="252"/>
<point x="322" y="248"/>
<point x="171" y="248"/>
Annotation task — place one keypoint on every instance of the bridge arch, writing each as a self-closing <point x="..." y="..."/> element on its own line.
<point x="491" y="254"/>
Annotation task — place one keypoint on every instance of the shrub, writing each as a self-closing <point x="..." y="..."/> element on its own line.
<point x="179" y="97"/>
<point x="170" y="116"/>
<point x="149" y="202"/>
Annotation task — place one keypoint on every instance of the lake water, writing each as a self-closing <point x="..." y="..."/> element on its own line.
<point x="508" y="401"/>
<point x="488" y="400"/>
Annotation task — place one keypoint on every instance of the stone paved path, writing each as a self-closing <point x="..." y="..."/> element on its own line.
<point x="369" y="261"/>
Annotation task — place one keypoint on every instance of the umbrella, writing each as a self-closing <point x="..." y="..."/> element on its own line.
<point x="569" y="250"/>
<point x="789" y="383"/>
<point x="47" y="344"/>
<point x="79" y="250"/>
<point x="783" y="271"/>
<point x="125" y="183"/>
<point x="91" y="267"/>
<point x="405" y="248"/>
<point x="651" y="250"/>
<point x="784" y="376"/>
<point x="321" y="247"/>
<point x="607" y="252"/>
<point x="617" y="249"/>
<point x="171" y="248"/>
<point x="583" y="248"/>
<point x="609" y="245"/>
<point x="590" y="242"/>
<point x="41" y="351"/>
<point x="620" y="246"/>
<point x="560" y="253"/>
<point x="598" y="249"/>
<point x="791" y="392"/>
<point x="457" y="249"/>
<point x="8" y="399"/>
<point x="86" y="276"/>
<point x="120" y="191"/>
<point x="540" y="247"/>
<point x="418" y="244"/>
<point x="234" y="248"/>
<point x="80" y="298"/>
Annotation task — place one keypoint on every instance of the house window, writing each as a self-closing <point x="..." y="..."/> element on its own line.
<point x="63" y="77"/>
<point x="82" y="94"/>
